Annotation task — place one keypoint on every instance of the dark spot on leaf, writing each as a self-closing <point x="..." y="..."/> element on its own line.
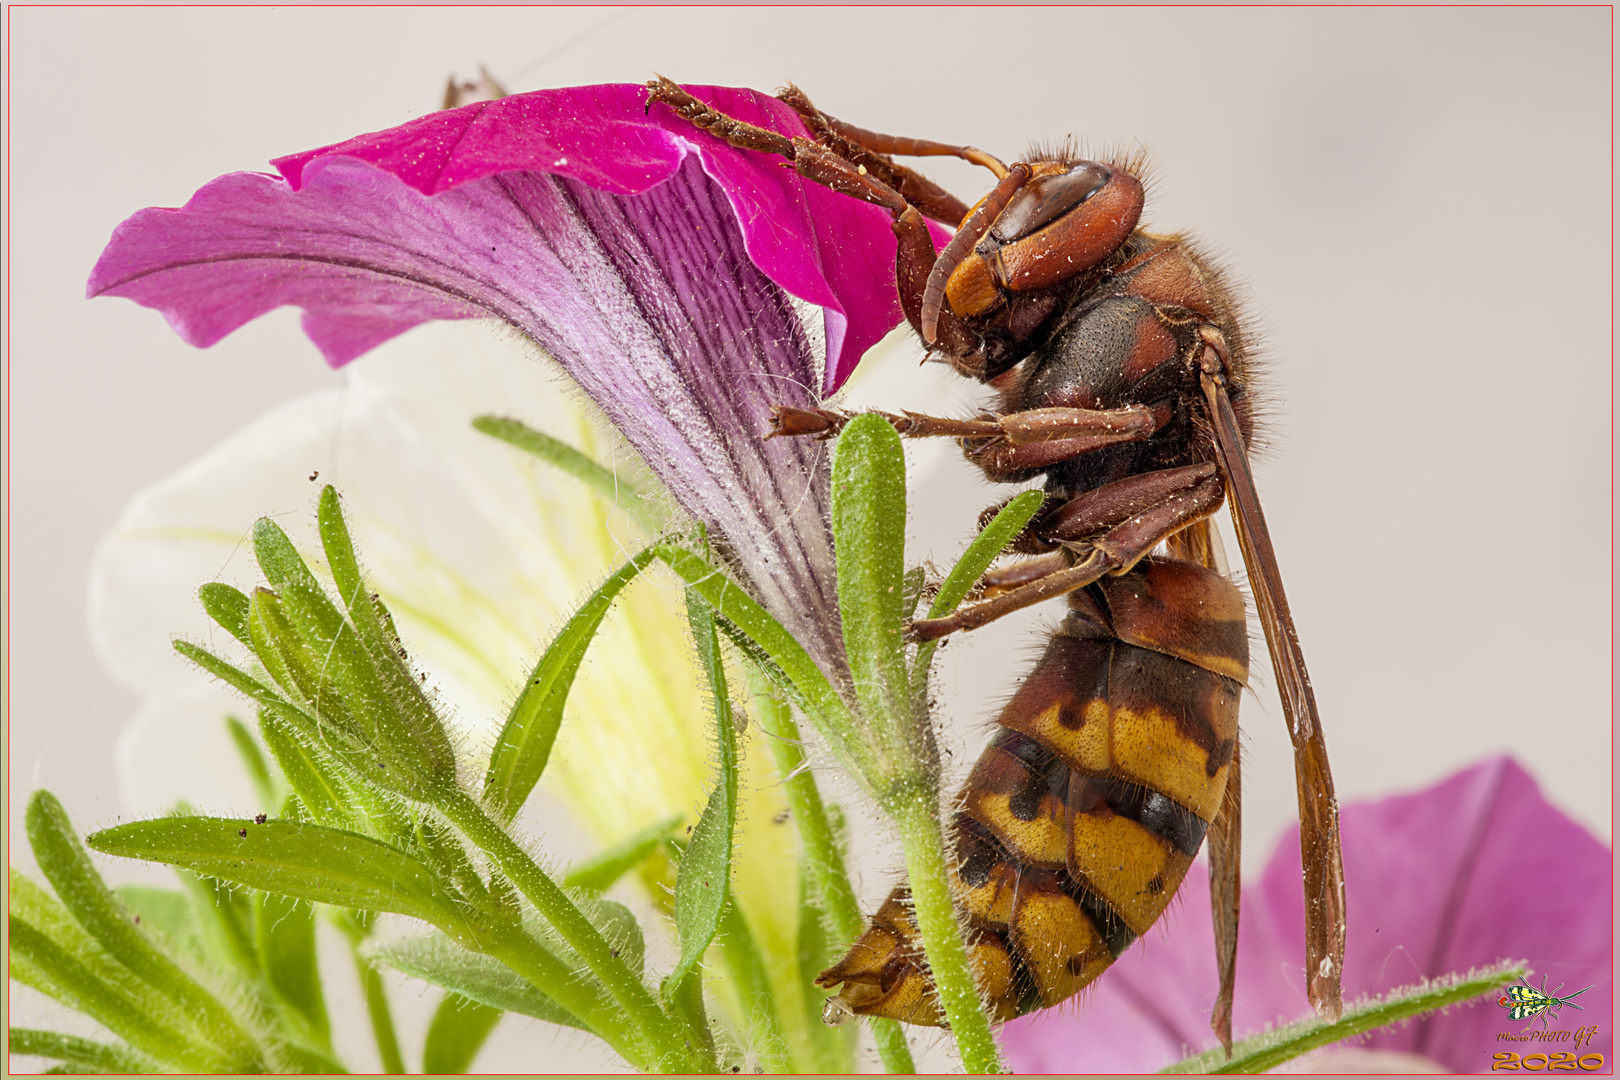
<point x="781" y="817"/>
<point x="259" y="819"/>
<point x="242" y="833"/>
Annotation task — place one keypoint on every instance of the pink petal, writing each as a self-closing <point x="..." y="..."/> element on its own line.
<point x="824" y="248"/>
<point x="1478" y="868"/>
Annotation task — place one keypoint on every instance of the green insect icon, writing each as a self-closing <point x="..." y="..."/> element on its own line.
<point x="1525" y="1001"/>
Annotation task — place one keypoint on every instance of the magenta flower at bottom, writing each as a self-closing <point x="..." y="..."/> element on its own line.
<point x="1476" y="869"/>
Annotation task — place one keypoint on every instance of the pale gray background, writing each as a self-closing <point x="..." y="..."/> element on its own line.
<point x="1418" y="202"/>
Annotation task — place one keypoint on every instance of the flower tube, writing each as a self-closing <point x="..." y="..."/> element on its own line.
<point x="658" y="266"/>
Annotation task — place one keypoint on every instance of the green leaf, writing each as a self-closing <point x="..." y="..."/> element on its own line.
<point x="340" y="557"/>
<point x="618" y="925"/>
<point x="524" y="746"/>
<point x="224" y="916"/>
<point x="1272" y="1048"/>
<point x="606" y="867"/>
<point x="381" y="1016"/>
<point x="167" y="911"/>
<point x="604" y="481"/>
<point x="300" y="667"/>
<point x="834" y="1047"/>
<point x="230" y="674"/>
<point x="990" y="543"/>
<point x="370" y="618"/>
<point x="822" y="859"/>
<point x="99" y="910"/>
<point x="636" y="1027"/>
<point x="253" y="759"/>
<point x="615" y="923"/>
<point x="283" y="567"/>
<point x="705" y="871"/>
<point x="322" y="789"/>
<point x="756" y="997"/>
<point x="459" y="1029"/>
<point x="297" y="859"/>
<point x="84" y="1055"/>
<point x="985" y="548"/>
<point x="802" y="680"/>
<point x="869" y="529"/>
<point x="376" y="696"/>
<point x="284" y="930"/>
<point x="436" y="959"/>
<point x="227" y="606"/>
<point x="410" y="731"/>
<point x="82" y="977"/>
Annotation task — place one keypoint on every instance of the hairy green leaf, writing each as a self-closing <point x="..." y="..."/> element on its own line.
<point x="869" y="529"/>
<point x="990" y="543"/>
<point x="602" y="870"/>
<point x="340" y="556"/>
<point x="368" y="617"/>
<point x="459" y="1029"/>
<point x="283" y="567"/>
<point x="230" y="674"/>
<point x="284" y="931"/>
<point x="296" y="859"/>
<point x="87" y="980"/>
<point x="524" y="746"/>
<point x="103" y="914"/>
<point x="253" y="760"/>
<point x="803" y="681"/>
<point x="227" y="606"/>
<point x="321" y="786"/>
<point x="606" y="482"/>
<point x="436" y="959"/>
<point x="82" y="1055"/>
<point x="705" y="873"/>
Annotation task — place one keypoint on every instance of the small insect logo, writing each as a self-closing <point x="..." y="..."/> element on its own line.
<point x="1524" y="1001"/>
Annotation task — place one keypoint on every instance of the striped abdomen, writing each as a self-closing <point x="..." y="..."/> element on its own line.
<point x="1084" y="812"/>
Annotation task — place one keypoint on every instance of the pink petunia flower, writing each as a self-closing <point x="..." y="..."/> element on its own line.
<point x="1476" y="869"/>
<point x="655" y="264"/>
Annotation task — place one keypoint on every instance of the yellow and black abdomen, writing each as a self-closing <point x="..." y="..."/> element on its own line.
<point x="1080" y="819"/>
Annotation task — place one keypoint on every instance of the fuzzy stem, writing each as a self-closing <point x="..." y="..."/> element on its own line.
<point x="823" y="859"/>
<point x="518" y="951"/>
<point x="819" y="700"/>
<point x="1272" y="1048"/>
<point x="915" y="809"/>
<point x="661" y="1033"/>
